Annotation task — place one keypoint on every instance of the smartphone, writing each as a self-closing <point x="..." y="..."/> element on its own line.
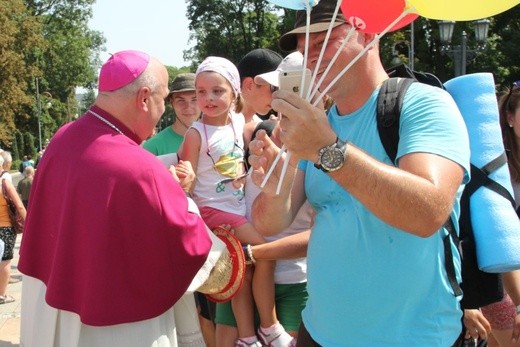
<point x="291" y="81"/>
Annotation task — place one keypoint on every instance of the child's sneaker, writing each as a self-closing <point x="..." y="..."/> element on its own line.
<point x="241" y="343"/>
<point x="279" y="338"/>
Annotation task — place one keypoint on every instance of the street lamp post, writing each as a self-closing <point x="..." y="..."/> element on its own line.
<point x="460" y="53"/>
<point x="39" y="110"/>
<point x="412" y="46"/>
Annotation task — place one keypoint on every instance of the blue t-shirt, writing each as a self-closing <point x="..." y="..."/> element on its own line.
<point x="369" y="283"/>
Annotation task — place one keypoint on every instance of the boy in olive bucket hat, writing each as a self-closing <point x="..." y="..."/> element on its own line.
<point x="184" y="102"/>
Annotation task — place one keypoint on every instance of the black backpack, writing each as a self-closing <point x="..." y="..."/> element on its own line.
<point x="480" y="288"/>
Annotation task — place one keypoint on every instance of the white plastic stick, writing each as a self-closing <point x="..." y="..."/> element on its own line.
<point x="357" y="57"/>
<point x="306" y="49"/>
<point x="283" y="149"/>
<point x="334" y="58"/>
<point x="273" y="165"/>
<point x="284" y="170"/>
<point x="322" y="52"/>
<point x="349" y="65"/>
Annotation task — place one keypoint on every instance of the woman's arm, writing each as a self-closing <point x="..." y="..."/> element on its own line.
<point x="15" y="198"/>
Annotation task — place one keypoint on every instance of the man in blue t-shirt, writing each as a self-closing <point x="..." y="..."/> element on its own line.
<point x="376" y="274"/>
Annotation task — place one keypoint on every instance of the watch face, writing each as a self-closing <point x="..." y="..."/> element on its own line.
<point x="332" y="159"/>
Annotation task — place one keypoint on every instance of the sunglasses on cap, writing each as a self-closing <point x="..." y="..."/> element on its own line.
<point x="515" y="84"/>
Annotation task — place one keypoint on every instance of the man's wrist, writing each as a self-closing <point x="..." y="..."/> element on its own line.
<point x="332" y="157"/>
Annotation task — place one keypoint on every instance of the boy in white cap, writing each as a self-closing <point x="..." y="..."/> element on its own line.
<point x="289" y="276"/>
<point x="257" y="98"/>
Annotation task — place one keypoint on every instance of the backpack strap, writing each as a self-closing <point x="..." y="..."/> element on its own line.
<point x="448" y="256"/>
<point x="389" y="104"/>
<point x="495" y="163"/>
<point x="471" y="273"/>
<point x="4" y="189"/>
<point x="480" y="288"/>
<point x="480" y="178"/>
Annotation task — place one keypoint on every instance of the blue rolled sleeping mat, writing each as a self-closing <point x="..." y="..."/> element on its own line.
<point x="495" y="223"/>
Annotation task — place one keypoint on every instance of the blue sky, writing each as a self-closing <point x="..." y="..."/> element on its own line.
<point x="157" y="27"/>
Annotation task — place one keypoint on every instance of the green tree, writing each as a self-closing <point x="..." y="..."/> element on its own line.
<point x="231" y="28"/>
<point x="70" y="59"/>
<point x="15" y="153"/>
<point x="48" y="41"/>
<point x="499" y="56"/>
<point x="29" y="146"/>
<point x="503" y="52"/>
<point x="19" y="144"/>
<point x="88" y="99"/>
<point x="19" y="37"/>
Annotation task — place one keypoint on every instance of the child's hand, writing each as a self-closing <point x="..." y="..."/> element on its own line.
<point x="239" y="183"/>
<point x="184" y="169"/>
<point x="185" y="174"/>
<point x="174" y="173"/>
<point x="228" y="228"/>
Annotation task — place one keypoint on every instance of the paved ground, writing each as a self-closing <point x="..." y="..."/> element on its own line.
<point x="10" y="313"/>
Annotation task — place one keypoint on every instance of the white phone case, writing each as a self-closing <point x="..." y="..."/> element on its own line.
<point x="291" y="81"/>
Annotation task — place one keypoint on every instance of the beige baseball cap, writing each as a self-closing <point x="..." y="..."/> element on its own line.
<point x="293" y="61"/>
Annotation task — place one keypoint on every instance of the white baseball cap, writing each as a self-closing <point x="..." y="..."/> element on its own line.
<point x="291" y="62"/>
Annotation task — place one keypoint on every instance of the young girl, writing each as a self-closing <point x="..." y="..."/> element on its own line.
<point x="214" y="146"/>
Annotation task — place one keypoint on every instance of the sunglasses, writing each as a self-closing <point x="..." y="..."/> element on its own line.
<point x="229" y="165"/>
<point x="515" y="84"/>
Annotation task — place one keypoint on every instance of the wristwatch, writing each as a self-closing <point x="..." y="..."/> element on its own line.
<point x="332" y="157"/>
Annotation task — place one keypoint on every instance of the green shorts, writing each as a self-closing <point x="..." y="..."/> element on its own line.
<point x="290" y="300"/>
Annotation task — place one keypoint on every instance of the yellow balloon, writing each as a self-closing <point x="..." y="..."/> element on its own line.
<point x="461" y="9"/>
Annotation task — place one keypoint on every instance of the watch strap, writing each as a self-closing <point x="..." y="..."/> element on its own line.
<point x="320" y="152"/>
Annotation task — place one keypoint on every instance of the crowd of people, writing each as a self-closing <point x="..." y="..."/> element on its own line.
<point x="347" y="251"/>
<point x="7" y="231"/>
